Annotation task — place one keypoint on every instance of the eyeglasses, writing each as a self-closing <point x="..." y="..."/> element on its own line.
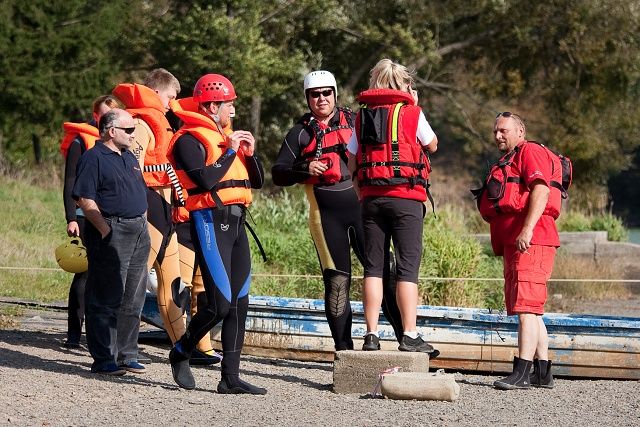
<point x="316" y="93"/>
<point x="128" y="131"/>
<point x="509" y="114"/>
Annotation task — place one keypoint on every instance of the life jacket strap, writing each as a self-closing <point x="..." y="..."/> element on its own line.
<point x="171" y="173"/>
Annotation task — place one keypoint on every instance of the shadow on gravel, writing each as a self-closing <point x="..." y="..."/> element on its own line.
<point x="328" y="367"/>
<point x="476" y="383"/>
<point x="290" y="378"/>
<point x="13" y="359"/>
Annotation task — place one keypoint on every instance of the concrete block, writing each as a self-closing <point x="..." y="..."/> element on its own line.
<point x="420" y="386"/>
<point x="567" y="237"/>
<point x="358" y="371"/>
<point x="586" y="249"/>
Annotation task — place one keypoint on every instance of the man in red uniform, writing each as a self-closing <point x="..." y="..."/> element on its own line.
<point x="521" y="202"/>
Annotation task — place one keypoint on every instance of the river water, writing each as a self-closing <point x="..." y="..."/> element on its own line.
<point x="634" y="235"/>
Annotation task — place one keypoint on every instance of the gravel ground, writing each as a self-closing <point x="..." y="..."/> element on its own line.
<point x="43" y="384"/>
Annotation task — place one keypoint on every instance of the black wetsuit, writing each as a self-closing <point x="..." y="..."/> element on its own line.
<point x="335" y="224"/>
<point x="75" y="309"/>
<point x="222" y="252"/>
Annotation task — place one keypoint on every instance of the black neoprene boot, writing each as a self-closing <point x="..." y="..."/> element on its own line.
<point x="232" y="384"/>
<point x="200" y="358"/>
<point x="180" y="368"/>
<point x="541" y="376"/>
<point x="519" y="379"/>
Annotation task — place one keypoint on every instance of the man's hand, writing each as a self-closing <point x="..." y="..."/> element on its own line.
<point x="94" y="216"/>
<point x="242" y="140"/>
<point x="537" y="201"/>
<point x="414" y="94"/>
<point x="106" y="232"/>
<point x="317" y="168"/>
<point x="523" y="241"/>
<point x="73" y="229"/>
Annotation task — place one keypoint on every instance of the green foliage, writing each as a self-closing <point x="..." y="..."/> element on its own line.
<point x="451" y="253"/>
<point x="56" y="56"/>
<point x="281" y="223"/>
<point x="571" y="68"/>
<point x="578" y="221"/>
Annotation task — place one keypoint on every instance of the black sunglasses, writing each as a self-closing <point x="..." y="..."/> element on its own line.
<point x="509" y="114"/>
<point x="316" y="93"/>
<point x="128" y="131"/>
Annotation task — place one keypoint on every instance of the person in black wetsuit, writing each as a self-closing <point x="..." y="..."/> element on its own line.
<point x="78" y="138"/>
<point x="218" y="172"/>
<point x="314" y="154"/>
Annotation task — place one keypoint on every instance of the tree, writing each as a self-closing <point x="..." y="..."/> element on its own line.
<point x="56" y="56"/>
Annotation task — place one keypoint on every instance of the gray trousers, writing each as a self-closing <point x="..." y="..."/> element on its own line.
<point x="115" y="290"/>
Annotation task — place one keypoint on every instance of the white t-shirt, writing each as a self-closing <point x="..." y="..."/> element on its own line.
<point x="425" y="135"/>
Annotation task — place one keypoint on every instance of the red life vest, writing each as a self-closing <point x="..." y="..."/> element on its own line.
<point x="328" y="144"/>
<point x="390" y="160"/>
<point x="504" y="192"/>
<point x="144" y="103"/>
<point x="89" y="135"/>
<point x="233" y="188"/>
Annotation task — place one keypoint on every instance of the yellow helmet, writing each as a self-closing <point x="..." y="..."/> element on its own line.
<point x="72" y="256"/>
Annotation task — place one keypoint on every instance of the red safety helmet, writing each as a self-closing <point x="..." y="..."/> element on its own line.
<point x="213" y="87"/>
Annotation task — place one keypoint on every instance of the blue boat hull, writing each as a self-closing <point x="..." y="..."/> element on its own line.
<point x="468" y="338"/>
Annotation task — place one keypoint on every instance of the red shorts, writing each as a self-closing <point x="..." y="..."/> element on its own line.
<point x="525" y="278"/>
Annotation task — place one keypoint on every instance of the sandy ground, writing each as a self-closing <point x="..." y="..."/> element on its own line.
<point x="43" y="384"/>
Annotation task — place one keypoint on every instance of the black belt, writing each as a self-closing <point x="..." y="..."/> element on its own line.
<point x="122" y="218"/>
<point x="235" y="210"/>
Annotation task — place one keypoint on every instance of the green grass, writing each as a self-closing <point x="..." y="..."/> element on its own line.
<point x="34" y="225"/>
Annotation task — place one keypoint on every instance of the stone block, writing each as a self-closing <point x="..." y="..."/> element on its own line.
<point x="358" y="371"/>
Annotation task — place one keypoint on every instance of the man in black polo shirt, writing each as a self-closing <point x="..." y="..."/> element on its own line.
<point x="110" y="190"/>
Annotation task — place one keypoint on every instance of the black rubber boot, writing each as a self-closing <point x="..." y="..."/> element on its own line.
<point x="541" y="376"/>
<point x="180" y="368"/>
<point x="519" y="379"/>
<point x="232" y="384"/>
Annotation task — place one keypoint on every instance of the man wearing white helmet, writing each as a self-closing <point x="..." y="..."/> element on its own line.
<point x="314" y="154"/>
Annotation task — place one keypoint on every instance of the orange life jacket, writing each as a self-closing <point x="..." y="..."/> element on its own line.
<point x="389" y="153"/>
<point x="144" y="103"/>
<point x="180" y="213"/>
<point x="504" y="192"/>
<point x="234" y="187"/>
<point x="328" y="144"/>
<point x="89" y="135"/>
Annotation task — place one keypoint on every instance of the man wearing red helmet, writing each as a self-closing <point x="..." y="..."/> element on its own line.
<point x="218" y="172"/>
<point x="148" y="103"/>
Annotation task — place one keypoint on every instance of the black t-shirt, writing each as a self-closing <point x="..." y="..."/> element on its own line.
<point x="114" y="181"/>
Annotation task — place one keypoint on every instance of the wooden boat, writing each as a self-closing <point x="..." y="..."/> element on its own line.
<point x="468" y="339"/>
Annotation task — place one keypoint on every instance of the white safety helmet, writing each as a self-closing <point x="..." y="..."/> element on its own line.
<point x="152" y="281"/>
<point x="320" y="78"/>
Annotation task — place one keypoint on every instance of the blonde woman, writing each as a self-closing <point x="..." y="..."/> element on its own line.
<point x="388" y="158"/>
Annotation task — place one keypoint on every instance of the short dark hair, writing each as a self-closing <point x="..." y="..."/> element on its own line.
<point x="107" y="121"/>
